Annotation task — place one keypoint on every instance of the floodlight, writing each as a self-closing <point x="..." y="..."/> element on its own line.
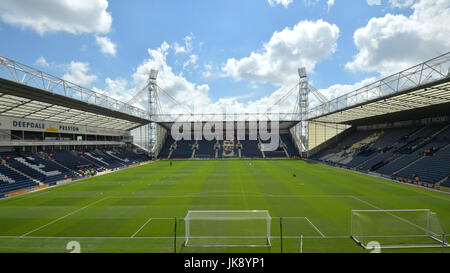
<point x="153" y="74"/>
<point x="302" y="72"/>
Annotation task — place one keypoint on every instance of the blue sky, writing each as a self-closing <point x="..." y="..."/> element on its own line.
<point x="243" y="54"/>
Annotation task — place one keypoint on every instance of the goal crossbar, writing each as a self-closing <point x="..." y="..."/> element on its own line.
<point x="227" y="228"/>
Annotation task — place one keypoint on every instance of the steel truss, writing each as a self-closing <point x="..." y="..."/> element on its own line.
<point x="27" y="75"/>
<point x="433" y="70"/>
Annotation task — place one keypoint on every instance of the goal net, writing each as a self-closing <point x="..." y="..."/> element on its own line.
<point x="227" y="228"/>
<point x="415" y="228"/>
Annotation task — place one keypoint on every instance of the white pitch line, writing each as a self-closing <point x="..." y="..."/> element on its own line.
<point x="208" y="195"/>
<point x="383" y="210"/>
<point x="149" y="219"/>
<point x="323" y="236"/>
<point x="166" y="237"/>
<point x="60" y="218"/>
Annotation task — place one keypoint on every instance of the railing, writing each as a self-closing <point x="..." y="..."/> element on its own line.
<point x="217" y="117"/>
<point x="430" y="71"/>
<point x="27" y="75"/>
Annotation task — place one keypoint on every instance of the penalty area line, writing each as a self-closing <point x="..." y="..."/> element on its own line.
<point x="149" y="219"/>
<point x="318" y="230"/>
<point x="164" y="237"/>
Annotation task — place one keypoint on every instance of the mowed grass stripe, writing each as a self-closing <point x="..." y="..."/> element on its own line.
<point x="381" y="193"/>
<point x="374" y="192"/>
<point x="49" y="210"/>
<point x="170" y="207"/>
<point x="249" y="196"/>
<point x="331" y="214"/>
<point x="323" y="194"/>
<point x="111" y="218"/>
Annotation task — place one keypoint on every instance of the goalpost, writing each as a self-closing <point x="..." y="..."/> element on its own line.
<point x="408" y="228"/>
<point x="227" y="228"/>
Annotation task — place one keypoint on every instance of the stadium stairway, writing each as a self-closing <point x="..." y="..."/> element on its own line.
<point x="74" y="161"/>
<point x="11" y="180"/>
<point x="445" y="183"/>
<point x="165" y="150"/>
<point x="280" y="152"/>
<point x="39" y="169"/>
<point x="24" y="174"/>
<point x="184" y="149"/>
<point x="25" y="169"/>
<point x="290" y="146"/>
<point x="431" y="168"/>
<point x="381" y="151"/>
<point x="413" y="147"/>
<point x="129" y="156"/>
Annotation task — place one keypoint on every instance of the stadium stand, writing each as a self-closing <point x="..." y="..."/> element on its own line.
<point x="38" y="168"/>
<point x="278" y="153"/>
<point x="250" y="149"/>
<point x="418" y="153"/>
<point x="73" y="162"/>
<point x="166" y="149"/>
<point x="11" y="180"/>
<point x="446" y="183"/>
<point x="206" y="149"/>
<point x="290" y="146"/>
<point x="26" y="169"/>
<point x="183" y="150"/>
<point x="128" y="157"/>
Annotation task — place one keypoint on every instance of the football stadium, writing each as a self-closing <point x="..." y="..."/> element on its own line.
<point x="81" y="171"/>
<point x="366" y="171"/>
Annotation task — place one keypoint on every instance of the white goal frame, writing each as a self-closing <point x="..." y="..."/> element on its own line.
<point x="439" y="238"/>
<point x="226" y="217"/>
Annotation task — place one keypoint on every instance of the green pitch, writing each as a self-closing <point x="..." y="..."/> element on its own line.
<point x="134" y="210"/>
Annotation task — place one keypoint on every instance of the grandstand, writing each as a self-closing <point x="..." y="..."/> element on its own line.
<point x="53" y="131"/>
<point x="391" y="128"/>
<point x="225" y="191"/>
<point x="397" y="128"/>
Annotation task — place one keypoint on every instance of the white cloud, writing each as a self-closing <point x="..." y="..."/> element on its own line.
<point x="394" y="3"/>
<point x="401" y="3"/>
<point x="284" y="3"/>
<point x="338" y="90"/>
<point x="330" y="4"/>
<point x="117" y="89"/>
<point x="395" y="42"/>
<point x="187" y="48"/>
<point x="176" y="85"/>
<point x="310" y="3"/>
<point x="207" y="72"/>
<point x="192" y="61"/>
<point x="76" y="17"/>
<point x="41" y="61"/>
<point x="106" y="46"/>
<point x="78" y="74"/>
<point x="305" y="44"/>
<point x="374" y="2"/>
<point x="195" y="96"/>
<point x="178" y="49"/>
